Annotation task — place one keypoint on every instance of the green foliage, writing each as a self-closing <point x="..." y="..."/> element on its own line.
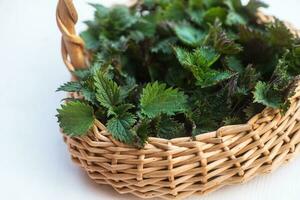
<point x="70" y="87"/>
<point x="157" y="99"/>
<point x="120" y="127"/>
<point x="174" y="68"/>
<point x="220" y="40"/>
<point x="266" y="95"/>
<point x="168" y="128"/>
<point x="75" y="118"/>
<point x="199" y="62"/>
<point x="108" y="92"/>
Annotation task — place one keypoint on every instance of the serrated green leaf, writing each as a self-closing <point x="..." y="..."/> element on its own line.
<point x="107" y="91"/>
<point x="120" y="109"/>
<point x="75" y="118"/>
<point x="266" y="95"/>
<point x="221" y="41"/>
<point x="158" y="99"/>
<point x="70" y="87"/>
<point x="120" y="127"/>
<point x="203" y="57"/>
<point x="213" y="77"/>
<point x="199" y="63"/>
<point x="142" y="130"/>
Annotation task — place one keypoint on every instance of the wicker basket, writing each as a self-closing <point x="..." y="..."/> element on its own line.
<point x="177" y="168"/>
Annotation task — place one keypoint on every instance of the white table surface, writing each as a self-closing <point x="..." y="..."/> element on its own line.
<point x="34" y="162"/>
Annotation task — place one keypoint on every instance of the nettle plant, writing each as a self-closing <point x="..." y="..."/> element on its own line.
<point x="174" y="68"/>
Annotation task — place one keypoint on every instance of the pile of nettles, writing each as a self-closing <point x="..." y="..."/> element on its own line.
<point x="174" y="68"/>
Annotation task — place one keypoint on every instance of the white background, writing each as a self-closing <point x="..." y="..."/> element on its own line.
<point x="34" y="162"/>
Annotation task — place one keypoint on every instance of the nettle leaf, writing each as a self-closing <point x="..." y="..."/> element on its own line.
<point x="75" y="118"/>
<point x="157" y="99"/>
<point x="130" y="85"/>
<point x="213" y="77"/>
<point x="82" y="74"/>
<point x="142" y="130"/>
<point x="281" y="79"/>
<point x="203" y="57"/>
<point x="189" y="35"/>
<point x="120" y="109"/>
<point x="199" y="63"/>
<point x="267" y="96"/>
<point x="120" y="127"/>
<point x="220" y="40"/>
<point x="89" y="95"/>
<point x="70" y="87"/>
<point x="107" y="91"/>
<point x="215" y="13"/>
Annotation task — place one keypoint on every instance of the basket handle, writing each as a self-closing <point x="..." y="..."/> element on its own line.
<point x="72" y="46"/>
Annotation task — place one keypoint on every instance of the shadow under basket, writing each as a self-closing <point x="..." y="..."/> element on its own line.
<point x="178" y="168"/>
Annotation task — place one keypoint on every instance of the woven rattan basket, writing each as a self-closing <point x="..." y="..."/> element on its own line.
<point x="177" y="168"/>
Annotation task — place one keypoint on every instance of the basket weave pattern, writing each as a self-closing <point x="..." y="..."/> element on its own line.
<point x="177" y="168"/>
